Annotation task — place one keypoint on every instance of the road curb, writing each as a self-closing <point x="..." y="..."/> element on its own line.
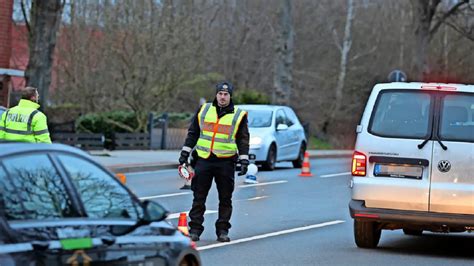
<point x="141" y="168"/>
<point x="133" y="168"/>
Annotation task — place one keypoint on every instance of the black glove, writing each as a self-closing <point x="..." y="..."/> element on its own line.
<point x="183" y="158"/>
<point x="244" y="165"/>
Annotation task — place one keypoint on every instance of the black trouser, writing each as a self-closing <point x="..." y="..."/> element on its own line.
<point x="222" y="170"/>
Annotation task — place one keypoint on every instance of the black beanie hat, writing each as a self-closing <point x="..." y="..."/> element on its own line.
<point x="224" y="86"/>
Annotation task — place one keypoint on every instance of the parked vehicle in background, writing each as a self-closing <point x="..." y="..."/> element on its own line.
<point x="2" y="110"/>
<point x="413" y="162"/>
<point x="276" y="135"/>
<point x="59" y="207"/>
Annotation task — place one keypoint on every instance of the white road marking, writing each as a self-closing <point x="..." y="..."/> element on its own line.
<point x="186" y="193"/>
<point x="332" y="175"/>
<point x="264" y="184"/>
<point x="298" y="229"/>
<point x="152" y="172"/>
<point x="165" y="195"/>
<point x="176" y="215"/>
<point x="256" y="198"/>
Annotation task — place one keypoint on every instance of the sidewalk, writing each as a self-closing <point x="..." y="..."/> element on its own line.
<point x="145" y="160"/>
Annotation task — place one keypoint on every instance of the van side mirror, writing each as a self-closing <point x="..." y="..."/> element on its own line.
<point x="282" y="127"/>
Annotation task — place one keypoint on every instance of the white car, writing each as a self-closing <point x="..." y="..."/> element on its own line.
<point x="413" y="164"/>
<point x="276" y="135"/>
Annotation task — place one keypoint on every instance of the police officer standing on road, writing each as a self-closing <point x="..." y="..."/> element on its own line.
<point x="25" y="122"/>
<point x="220" y="134"/>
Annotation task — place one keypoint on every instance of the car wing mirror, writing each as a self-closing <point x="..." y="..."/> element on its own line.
<point x="282" y="127"/>
<point x="154" y="212"/>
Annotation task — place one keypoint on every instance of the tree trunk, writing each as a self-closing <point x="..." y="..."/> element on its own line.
<point x="45" y="19"/>
<point x="345" y="49"/>
<point x="424" y="11"/>
<point x="402" y="39"/>
<point x="283" y="64"/>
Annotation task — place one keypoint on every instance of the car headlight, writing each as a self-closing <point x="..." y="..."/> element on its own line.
<point x="255" y="141"/>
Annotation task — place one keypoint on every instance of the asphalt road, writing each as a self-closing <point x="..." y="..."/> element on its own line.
<point x="292" y="220"/>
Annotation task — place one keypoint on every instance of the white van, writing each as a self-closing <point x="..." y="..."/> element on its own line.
<point x="413" y="164"/>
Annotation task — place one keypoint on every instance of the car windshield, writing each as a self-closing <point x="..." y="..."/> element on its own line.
<point x="260" y="118"/>
<point x="401" y="114"/>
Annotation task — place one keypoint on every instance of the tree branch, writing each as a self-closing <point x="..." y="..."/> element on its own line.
<point x="336" y="41"/>
<point x="23" y="11"/>
<point x="446" y="15"/>
<point x="357" y="56"/>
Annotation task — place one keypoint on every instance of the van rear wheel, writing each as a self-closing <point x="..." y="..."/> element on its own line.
<point x="412" y="232"/>
<point x="366" y="234"/>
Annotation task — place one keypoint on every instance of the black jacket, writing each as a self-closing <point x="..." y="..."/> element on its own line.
<point x="241" y="138"/>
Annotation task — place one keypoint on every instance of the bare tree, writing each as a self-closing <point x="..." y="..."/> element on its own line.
<point x="344" y="49"/>
<point x="284" y="45"/>
<point x="133" y="55"/>
<point x="427" y="20"/>
<point x="44" y="24"/>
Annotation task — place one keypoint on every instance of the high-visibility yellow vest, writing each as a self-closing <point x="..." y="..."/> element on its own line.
<point x="218" y="134"/>
<point x="24" y="123"/>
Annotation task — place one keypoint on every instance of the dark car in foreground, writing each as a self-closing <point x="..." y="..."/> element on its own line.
<point x="59" y="207"/>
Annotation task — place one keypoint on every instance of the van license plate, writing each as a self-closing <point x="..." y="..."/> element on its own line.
<point x="396" y="170"/>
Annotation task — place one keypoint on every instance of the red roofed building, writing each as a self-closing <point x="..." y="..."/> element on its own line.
<point x="6" y="22"/>
<point x="20" y="53"/>
<point x="14" y="53"/>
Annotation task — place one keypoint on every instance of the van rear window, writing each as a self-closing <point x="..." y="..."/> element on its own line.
<point x="401" y="114"/>
<point x="457" y="118"/>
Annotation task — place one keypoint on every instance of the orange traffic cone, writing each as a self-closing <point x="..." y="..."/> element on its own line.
<point x="306" y="169"/>
<point x="183" y="223"/>
<point x="121" y="177"/>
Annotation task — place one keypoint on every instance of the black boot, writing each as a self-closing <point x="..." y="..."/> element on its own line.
<point x="194" y="236"/>
<point x="223" y="237"/>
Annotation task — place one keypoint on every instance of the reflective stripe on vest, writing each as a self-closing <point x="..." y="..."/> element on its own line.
<point x="28" y="125"/>
<point x="218" y="134"/>
<point x="18" y="118"/>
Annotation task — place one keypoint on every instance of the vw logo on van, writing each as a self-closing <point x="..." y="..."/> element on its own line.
<point x="444" y="166"/>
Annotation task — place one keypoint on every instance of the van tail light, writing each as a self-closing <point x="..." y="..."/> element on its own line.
<point x="438" y="87"/>
<point x="366" y="215"/>
<point x="359" y="164"/>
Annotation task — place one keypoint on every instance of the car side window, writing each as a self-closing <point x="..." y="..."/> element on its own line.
<point x="290" y="117"/>
<point x="280" y="117"/>
<point x="9" y="201"/>
<point x="32" y="189"/>
<point x="101" y="194"/>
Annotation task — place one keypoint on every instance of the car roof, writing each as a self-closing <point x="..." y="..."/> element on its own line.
<point x="426" y="86"/>
<point x="8" y="148"/>
<point x="260" y="106"/>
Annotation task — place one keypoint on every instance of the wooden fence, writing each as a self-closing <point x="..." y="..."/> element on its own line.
<point x="159" y="137"/>
<point x="131" y="141"/>
<point x="86" y="141"/>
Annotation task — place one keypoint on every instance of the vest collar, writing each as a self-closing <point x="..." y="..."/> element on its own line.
<point x="221" y="111"/>
<point x="28" y="103"/>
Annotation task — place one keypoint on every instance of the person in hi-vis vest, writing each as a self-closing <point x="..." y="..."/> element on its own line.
<point x="220" y="135"/>
<point x="24" y="122"/>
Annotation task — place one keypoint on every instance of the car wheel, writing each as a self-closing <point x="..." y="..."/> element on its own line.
<point x="298" y="163"/>
<point x="412" y="232"/>
<point x="188" y="261"/>
<point x="366" y="234"/>
<point x="269" y="164"/>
